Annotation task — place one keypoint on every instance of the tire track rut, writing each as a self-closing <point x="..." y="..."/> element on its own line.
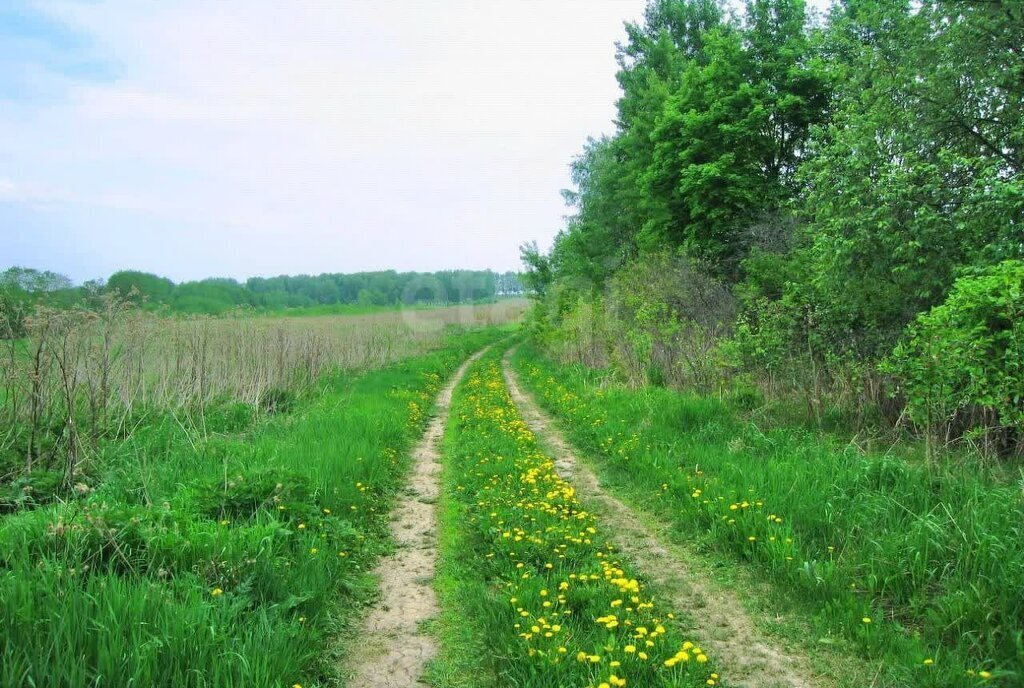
<point x="748" y="659"/>
<point x="393" y="650"/>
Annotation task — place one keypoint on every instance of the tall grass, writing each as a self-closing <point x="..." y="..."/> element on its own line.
<point x="223" y="558"/>
<point x="919" y="563"/>
<point x="81" y="374"/>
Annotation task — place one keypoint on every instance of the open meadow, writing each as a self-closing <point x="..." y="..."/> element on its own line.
<point x="196" y="501"/>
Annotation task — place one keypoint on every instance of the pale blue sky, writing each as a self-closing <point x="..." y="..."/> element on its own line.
<point x="251" y="137"/>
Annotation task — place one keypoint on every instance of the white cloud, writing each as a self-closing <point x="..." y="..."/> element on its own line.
<point x="321" y="135"/>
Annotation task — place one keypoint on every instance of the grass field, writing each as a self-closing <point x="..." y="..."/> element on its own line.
<point x="221" y="557"/>
<point x="918" y="564"/>
<point x="229" y="542"/>
<point x="82" y="376"/>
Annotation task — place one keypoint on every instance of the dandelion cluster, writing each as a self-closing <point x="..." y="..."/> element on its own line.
<point x="572" y="611"/>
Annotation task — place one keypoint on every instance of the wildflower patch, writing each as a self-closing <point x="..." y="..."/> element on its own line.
<point x="556" y="605"/>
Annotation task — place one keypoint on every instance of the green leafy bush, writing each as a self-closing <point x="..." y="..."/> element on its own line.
<point x="963" y="361"/>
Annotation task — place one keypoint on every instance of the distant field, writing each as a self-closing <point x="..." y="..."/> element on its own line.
<point x="250" y="355"/>
<point x="130" y="357"/>
<point x="358" y="309"/>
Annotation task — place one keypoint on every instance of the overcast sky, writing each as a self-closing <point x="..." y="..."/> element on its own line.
<point x="256" y="137"/>
<point x="195" y="138"/>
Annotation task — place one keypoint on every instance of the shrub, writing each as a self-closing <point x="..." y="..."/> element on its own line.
<point x="241" y="497"/>
<point x="31" y="490"/>
<point x="670" y="315"/>
<point x="277" y="400"/>
<point x="962" y="363"/>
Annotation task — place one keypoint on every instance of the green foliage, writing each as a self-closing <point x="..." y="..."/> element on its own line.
<point x="968" y="352"/>
<point x="913" y="179"/>
<point x="34" y="281"/>
<point x="141" y="286"/>
<point x="21" y="289"/>
<point x="31" y="490"/>
<point x="659" y="320"/>
<point x="670" y="314"/>
<point x="713" y="119"/>
<point x="538" y="275"/>
<point x="277" y="400"/>
<point x="14" y="306"/>
<point x="836" y="175"/>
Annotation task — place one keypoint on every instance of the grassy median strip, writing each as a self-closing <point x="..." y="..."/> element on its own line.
<point x="222" y="559"/>
<point x="528" y="574"/>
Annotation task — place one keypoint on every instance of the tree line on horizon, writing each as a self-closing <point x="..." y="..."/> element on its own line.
<point x="24" y="287"/>
<point x="827" y="206"/>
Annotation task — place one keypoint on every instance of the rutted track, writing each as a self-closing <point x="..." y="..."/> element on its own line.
<point x="720" y="620"/>
<point x="394" y="650"/>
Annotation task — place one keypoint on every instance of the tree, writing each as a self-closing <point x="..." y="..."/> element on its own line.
<point x="141" y="286"/>
<point x="538" y="276"/>
<point x="916" y="177"/>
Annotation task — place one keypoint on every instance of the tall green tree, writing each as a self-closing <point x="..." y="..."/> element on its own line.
<point x="142" y="286"/>
<point x="919" y="174"/>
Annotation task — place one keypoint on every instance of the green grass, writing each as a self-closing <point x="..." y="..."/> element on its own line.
<point x="533" y="593"/>
<point x="929" y="552"/>
<point x="225" y="552"/>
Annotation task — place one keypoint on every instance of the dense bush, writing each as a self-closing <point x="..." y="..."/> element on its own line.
<point x="966" y="355"/>
<point x="659" y="320"/>
<point x="834" y="176"/>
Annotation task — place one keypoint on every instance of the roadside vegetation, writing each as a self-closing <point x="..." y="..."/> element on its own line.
<point x="785" y="316"/>
<point x="197" y="505"/>
<point x="917" y="563"/>
<point x="527" y="574"/>
<point x="825" y="211"/>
